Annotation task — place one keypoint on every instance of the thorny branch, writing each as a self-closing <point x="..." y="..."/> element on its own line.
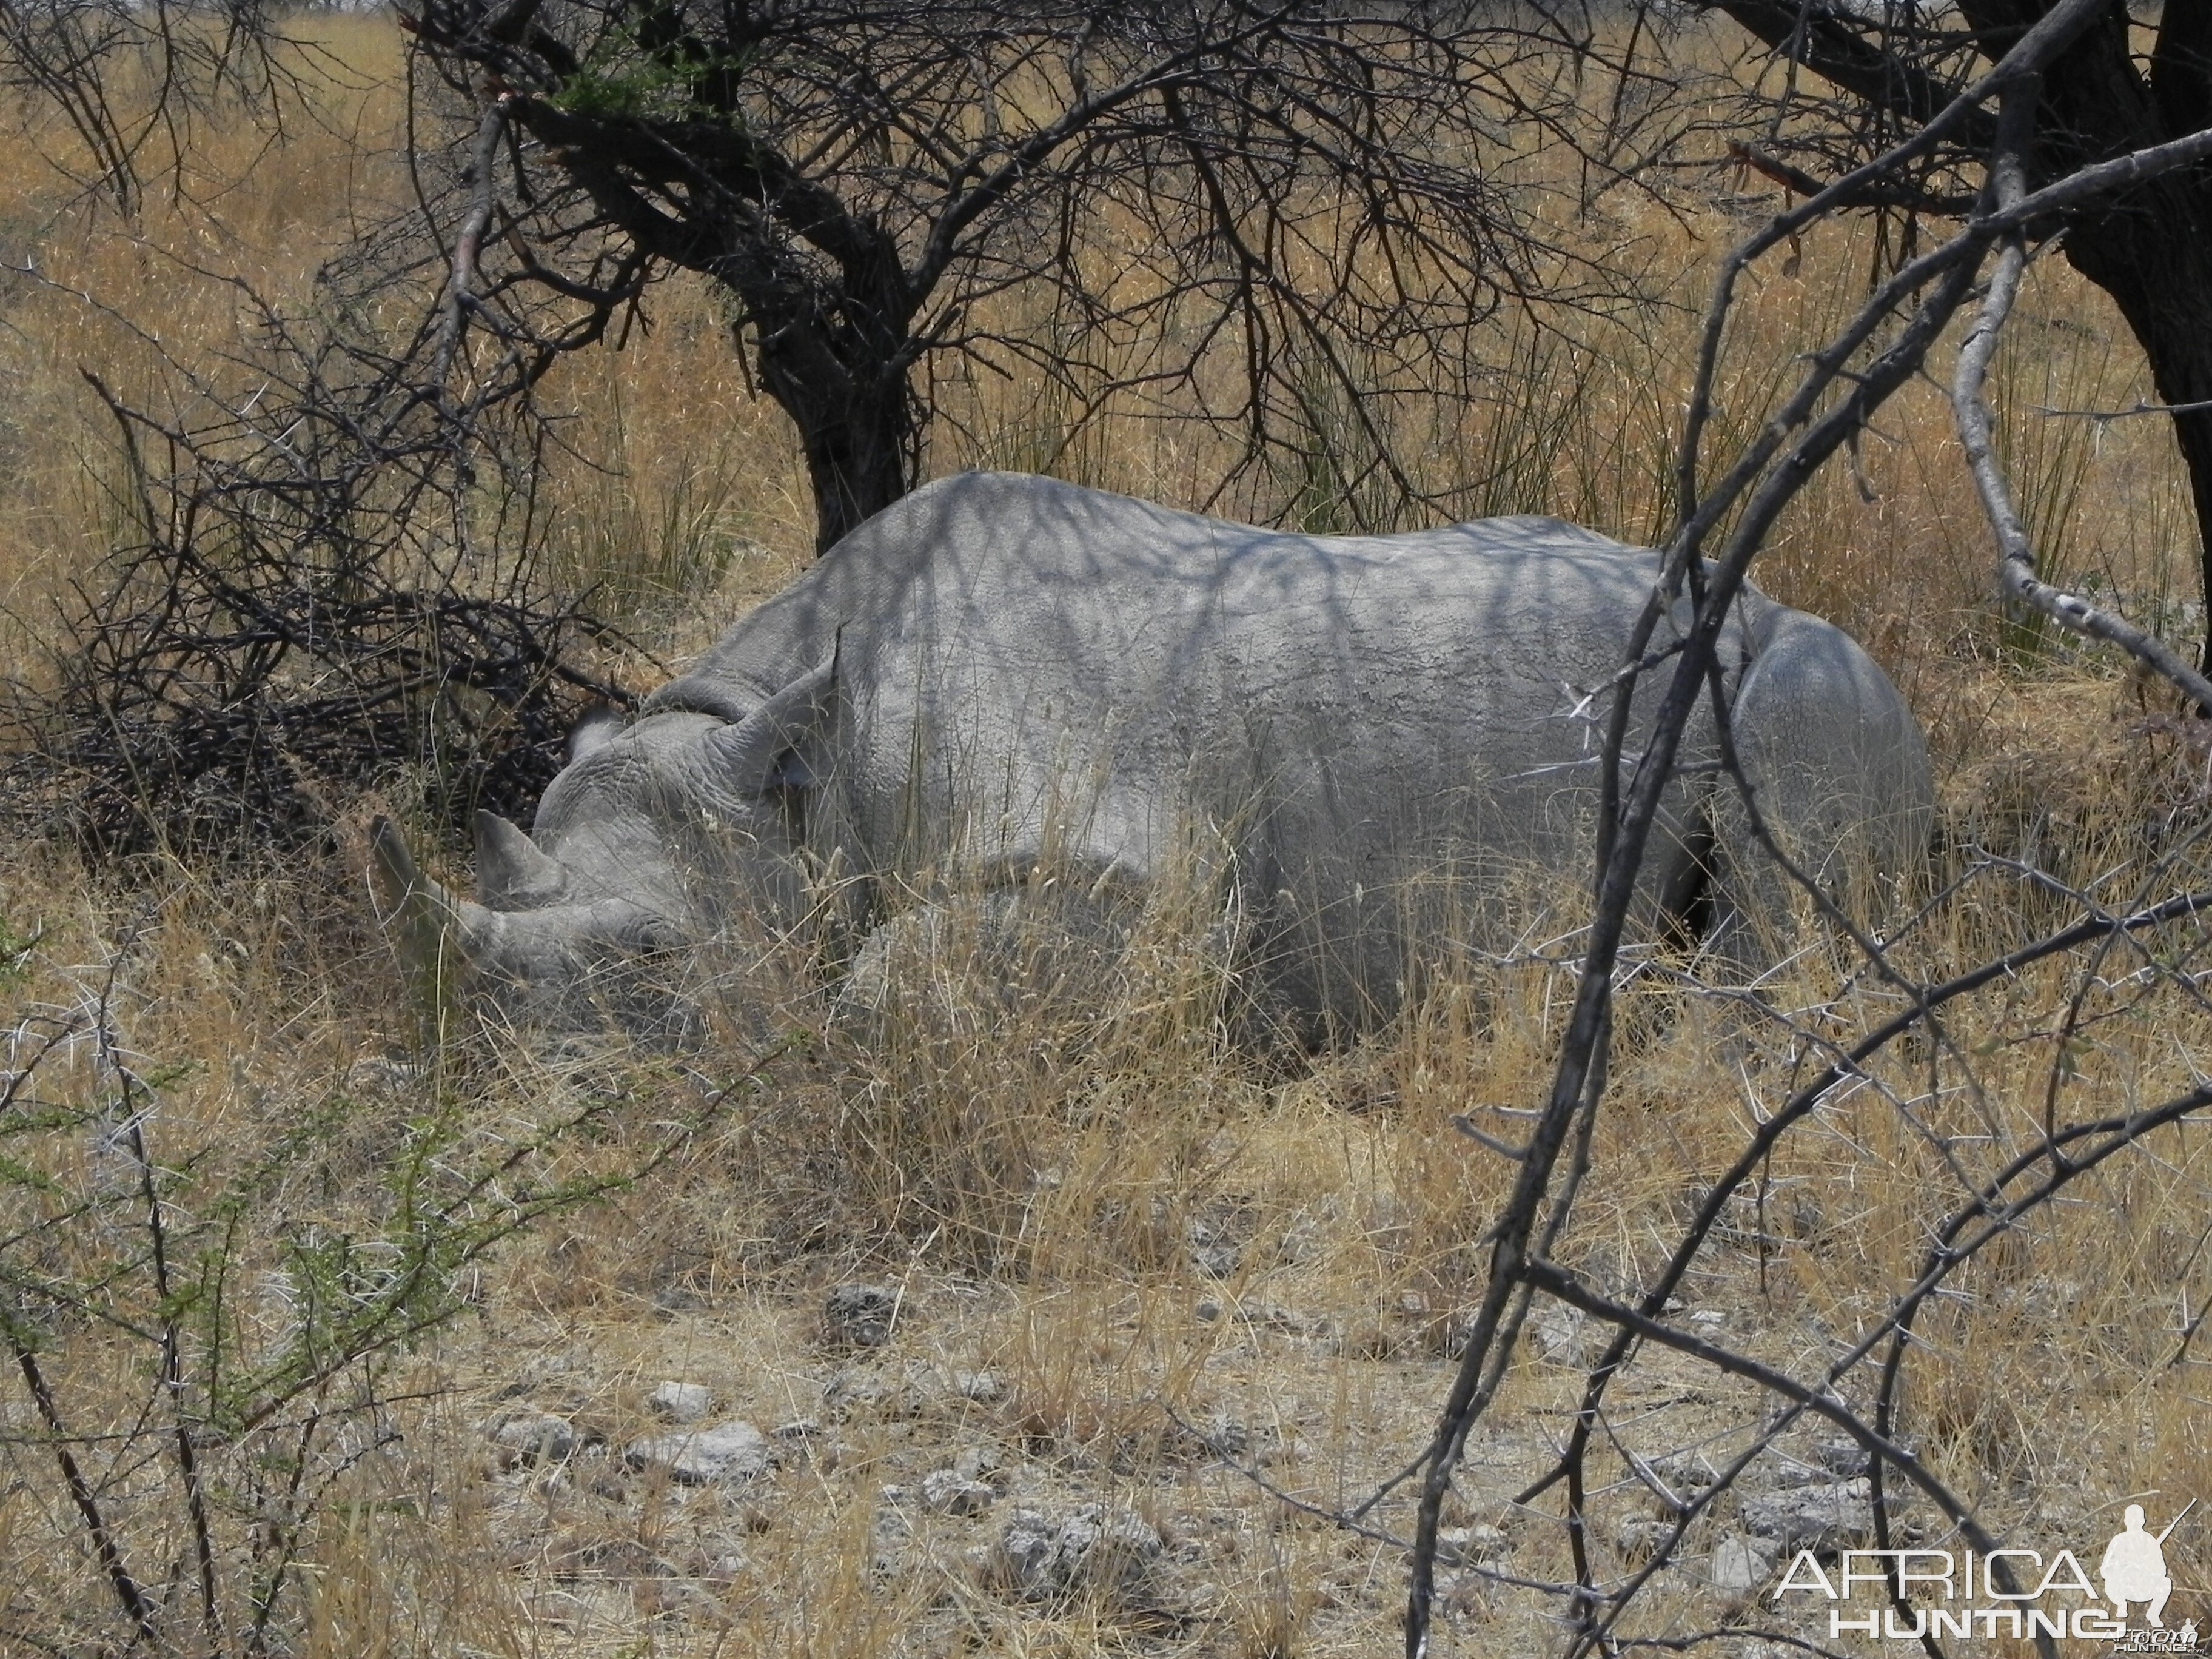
<point x="1855" y="77"/>
<point x="195" y="64"/>
<point x="1978" y="429"/>
<point x="339" y="579"/>
<point x="1844" y="383"/>
<point x="242" y="1429"/>
<point x="462" y="282"/>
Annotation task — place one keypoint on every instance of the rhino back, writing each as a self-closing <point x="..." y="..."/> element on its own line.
<point x="1015" y="649"/>
<point x="1019" y="637"/>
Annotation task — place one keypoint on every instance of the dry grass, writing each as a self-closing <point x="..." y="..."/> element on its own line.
<point x="1149" y="1243"/>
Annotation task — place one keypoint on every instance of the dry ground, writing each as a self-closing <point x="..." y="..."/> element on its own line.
<point x="1130" y="1268"/>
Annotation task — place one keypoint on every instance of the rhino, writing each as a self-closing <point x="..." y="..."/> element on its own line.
<point x="1013" y="681"/>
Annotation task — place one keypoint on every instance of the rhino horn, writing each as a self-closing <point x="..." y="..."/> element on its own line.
<point x="392" y="866"/>
<point x="434" y="927"/>
<point x="755" y="755"/>
<point x="513" y="872"/>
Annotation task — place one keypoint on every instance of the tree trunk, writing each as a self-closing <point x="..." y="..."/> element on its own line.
<point x="835" y="355"/>
<point x="2151" y="249"/>
<point x="860" y="437"/>
<point x="2157" y="263"/>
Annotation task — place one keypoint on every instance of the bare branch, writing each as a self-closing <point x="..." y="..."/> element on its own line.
<point x="1977" y="427"/>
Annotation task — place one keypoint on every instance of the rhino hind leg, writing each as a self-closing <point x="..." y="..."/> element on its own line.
<point x="1838" y="775"/>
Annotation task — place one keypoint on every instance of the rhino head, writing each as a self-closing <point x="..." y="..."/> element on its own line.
<point x="652" y="838"/>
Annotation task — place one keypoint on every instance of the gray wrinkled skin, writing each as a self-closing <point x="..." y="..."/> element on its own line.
<point x="1353" y="740"/>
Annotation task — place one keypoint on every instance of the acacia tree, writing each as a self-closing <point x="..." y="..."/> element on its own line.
<point x="1880" y="73"/>
<point x="1290" y="218"/>
<point x="1245" y="209"/>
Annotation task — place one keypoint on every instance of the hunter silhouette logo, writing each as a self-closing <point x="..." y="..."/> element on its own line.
<point x="2134" y="1567"/>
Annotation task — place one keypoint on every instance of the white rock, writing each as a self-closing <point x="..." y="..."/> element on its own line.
<point x="978" y="1464"/>
<point x="1684" y="1474"/>
<point x="1098" y="1547"/>
<point x="1818" y="1517"/>
<point x="951" y="1492"/>
<point x="860" y="1315"/>
<point x="907" y="1392"/>
<point x="680" y="1402"/>
<point x="1846" y="1458"/>
<point x="1215" y="1261"/>
<point x="1739" y="1566"/>
<point x="1557" y="1333"/>
<point x="1458" y="1546"/>
<point x="534" y="1437"/>
<point x="1103" y="1546"/>
<point x="726" y="1455"/>
<point x="1026" y="1552"/>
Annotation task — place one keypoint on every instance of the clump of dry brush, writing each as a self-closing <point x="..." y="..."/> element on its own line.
<point x="333" y="583"/>
<point x="327" y="565"/>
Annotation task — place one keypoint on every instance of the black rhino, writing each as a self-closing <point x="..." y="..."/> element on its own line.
<point x="1357" y="738"/>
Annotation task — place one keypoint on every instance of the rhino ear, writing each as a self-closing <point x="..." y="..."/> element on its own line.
<point x="756" y="754"/>
<point x="513" y="873"/>
<point x="595" y="728"/>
